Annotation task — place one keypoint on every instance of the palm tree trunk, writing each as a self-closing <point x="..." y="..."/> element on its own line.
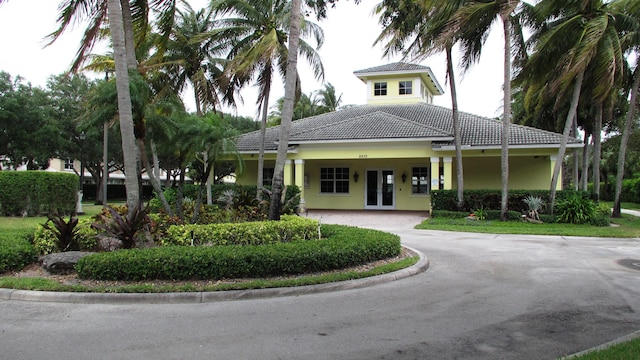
<point x="506" y="118"/>
<point x="573" y="108"/>
<point x="291" y="78"/>
<point x="584" y="181"/>
<point x="124" y="105"/>
<point x="626" y="132"/>
<point x="456" y="129"/>
<point x="155" y="182"/>
<point x="263" y="131"/>
<point x="597" y="146"/>
<point x="576" y="160"/>
<point x="132" y="62"/>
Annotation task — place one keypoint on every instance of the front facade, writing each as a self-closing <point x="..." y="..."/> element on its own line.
<point x="390" y="153"/>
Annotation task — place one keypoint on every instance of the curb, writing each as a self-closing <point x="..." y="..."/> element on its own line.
<point x="205" y="297"/>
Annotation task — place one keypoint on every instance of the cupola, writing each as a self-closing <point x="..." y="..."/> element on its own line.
<point x="399" y="83"/>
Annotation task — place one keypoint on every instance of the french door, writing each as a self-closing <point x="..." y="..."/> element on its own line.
<point x="379" y="189"/>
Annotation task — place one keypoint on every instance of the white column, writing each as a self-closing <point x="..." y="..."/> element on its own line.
<point x="448" y="172"/>
<point x="299" y="181"/>
<point x="435" y="173"/>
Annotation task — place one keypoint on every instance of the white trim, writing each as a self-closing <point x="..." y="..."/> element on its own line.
<point x="298" y="161"/>
<point x="447" y="159"/>
<point x="498" y="147"/>
<point x="435" y="159"/>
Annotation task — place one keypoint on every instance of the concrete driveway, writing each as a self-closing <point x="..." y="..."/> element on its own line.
<point x="484" y="297"/>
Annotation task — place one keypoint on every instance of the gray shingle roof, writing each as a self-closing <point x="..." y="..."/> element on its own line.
<point x="399" y="66"/>
<point x="394" y="122"/>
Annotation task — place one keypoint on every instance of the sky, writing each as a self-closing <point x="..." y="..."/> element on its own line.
<point x="350" y="31"/>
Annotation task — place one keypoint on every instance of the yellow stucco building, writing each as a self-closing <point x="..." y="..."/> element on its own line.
<point x="390" y="153"/>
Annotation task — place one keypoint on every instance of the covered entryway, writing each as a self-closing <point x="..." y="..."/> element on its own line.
<point x="380" y="189"/>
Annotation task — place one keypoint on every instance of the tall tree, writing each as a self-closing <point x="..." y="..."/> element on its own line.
<point x="256" y="33"/>
<point x="30" y="133"/>
<point x="419" y="29"/>
<point x="291" y="78"/>
<point x="190" y="59"/>
<point x="631" y="43"/>
<point x="116" y="25"/>
<point x="575" y="37"/>
<point x="473" y="21"/>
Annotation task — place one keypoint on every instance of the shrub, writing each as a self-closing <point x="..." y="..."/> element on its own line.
<point x="347" y="246"/>
<point x="64" y="232"/>
<point x="446" y="214"/>
<point x="122" y="227"/>
<point x="290" y="228"/>
<point x="15" y="250"/>
<point x="490" y="199"/>
<point x="45" y="241"/>
<point x="495" y="215"/>
<point x="547" y="218"/>
<point x="32" y="192"/>
<point x="601" y="215"/>
<point x="575" y="209"/>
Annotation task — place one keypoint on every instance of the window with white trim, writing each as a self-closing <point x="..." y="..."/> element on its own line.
<point x="380" y="89"/>
<point x="420" y="180"/>
<point x="334" y="180"/>
<point x="68" y="164"/>
<point x="405" y="88"/>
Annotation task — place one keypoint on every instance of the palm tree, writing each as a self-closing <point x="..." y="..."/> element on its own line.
<point x="291" y="78"/>
<point x="424" y="27"/>
<point x="327" y="98"/>
<point x="257" y="46"/>
<point x="631" y="42"/>
<point x="189" y="59"/>
<point x="124" y="106"/>
<point x="473" y="22"/>
<point x="575" y="38"/>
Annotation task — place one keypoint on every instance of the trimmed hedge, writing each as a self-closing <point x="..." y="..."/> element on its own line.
<point x="35" y="192"/>
<point x="489" y="214"/>
<point x="289" y="228"/>
<point x="345" y="247"/>
<point x="490" y="199"/>
<point x="16" y="251"/>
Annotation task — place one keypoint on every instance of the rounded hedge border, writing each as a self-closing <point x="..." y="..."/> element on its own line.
<point x="343" y="247"/>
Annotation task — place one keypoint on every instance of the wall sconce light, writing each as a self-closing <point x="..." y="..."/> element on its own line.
<point x="356" y="176"/>
<point x="404" y="177"/>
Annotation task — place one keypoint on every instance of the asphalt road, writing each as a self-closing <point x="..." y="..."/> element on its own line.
<point x="483" y="297"/>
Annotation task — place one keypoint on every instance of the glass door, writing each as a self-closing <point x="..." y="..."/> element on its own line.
<point x="380" y="189"/>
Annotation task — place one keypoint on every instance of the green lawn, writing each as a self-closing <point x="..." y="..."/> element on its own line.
<point x="626" y="227"/>
<point x="622" y="351"/>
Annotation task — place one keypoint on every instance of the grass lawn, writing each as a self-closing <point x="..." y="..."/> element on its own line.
<point x="625" y="350"/>
<point x="626" y="227"/>
<point x="624" y="205"/>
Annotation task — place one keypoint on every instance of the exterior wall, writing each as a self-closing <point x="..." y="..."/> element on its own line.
<point x="525" y="172"/>
<point x="393" y="87"/>
<point x="529" y="169"/>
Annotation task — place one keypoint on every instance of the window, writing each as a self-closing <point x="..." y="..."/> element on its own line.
<point x="405" y="88"/>
<point x="380" y="89"/>
<point x="334" y="180"/>
<point x="267" y="176"/>
<point x="68" y="164"/>
<point x="420" y="180"/>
